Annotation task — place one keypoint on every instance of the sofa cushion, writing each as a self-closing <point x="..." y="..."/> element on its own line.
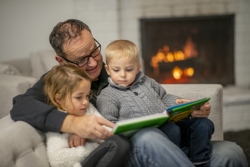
<point x="196" y="91"/>
<point x="21" y="145"/>
<point x="8" y="69"/>
<point x="41" y="62"/>
<point x="10" y="86"/>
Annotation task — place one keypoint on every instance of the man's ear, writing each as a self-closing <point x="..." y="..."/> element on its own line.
<point x="60" y="60"/>
<point x="107" y="69"/>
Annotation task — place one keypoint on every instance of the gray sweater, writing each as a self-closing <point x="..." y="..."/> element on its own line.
<point x="144" y="97"/>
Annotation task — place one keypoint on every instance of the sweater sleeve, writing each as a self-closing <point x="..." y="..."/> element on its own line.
<point x="60" y="154"/>
<point x="31" y="107"/>
<point x="107" y="105"/>
<point x="167" y="99"/>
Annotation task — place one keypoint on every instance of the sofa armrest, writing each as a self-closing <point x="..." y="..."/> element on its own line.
<point x="21" y="145"/>
<point x="196" y="91"/>
<point x="10" y="86"/>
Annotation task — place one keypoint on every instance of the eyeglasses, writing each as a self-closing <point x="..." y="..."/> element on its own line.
<point x="83" y="61"/>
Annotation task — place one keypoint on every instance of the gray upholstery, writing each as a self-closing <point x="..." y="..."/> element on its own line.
<point x="10" y="86"/>
<point x="196" y="91"/>
<point x="23" y="146"/>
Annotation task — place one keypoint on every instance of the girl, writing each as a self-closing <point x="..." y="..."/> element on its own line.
<point x="68" y="88"/>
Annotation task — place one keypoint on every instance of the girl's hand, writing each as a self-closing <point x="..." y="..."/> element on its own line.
<point x="76" y="140"/>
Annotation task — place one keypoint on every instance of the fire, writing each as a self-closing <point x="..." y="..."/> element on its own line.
<point x="189" y="72"/>
<point x="169" y="57"/>
<point x="190" y="48"/>
<point x="178" y="73"/>
<point x="164" y="55"/>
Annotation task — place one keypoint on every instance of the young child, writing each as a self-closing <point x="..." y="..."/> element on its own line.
<point x="132" y="94"/>
<point x="68" y="88"/>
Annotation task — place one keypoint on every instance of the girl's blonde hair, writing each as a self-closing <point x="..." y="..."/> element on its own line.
<point x="61" y="81"/>
<point x="122" y="48"/>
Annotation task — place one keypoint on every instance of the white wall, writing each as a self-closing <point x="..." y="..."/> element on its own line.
<point x="25" y="25"/>
<point x="103" y="18"/>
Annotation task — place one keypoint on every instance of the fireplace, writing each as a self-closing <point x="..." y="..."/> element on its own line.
<point x="189" y="49"/>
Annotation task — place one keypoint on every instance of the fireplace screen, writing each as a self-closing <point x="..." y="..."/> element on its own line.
<point x="189" y="49"/>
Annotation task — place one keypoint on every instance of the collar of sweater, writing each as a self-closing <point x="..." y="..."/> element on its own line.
<point x="138" y="78"/>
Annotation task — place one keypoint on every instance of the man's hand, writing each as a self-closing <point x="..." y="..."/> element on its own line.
<point x="75" y="140"/>
<point x="204" y="110"/>
<point x="88" y="126"/>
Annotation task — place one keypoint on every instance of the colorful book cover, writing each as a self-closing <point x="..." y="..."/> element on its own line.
<point x="184" y="110"/>
<point x="172" y="114"/>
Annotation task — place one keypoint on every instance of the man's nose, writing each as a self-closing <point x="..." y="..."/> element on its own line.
<point x="92" y="62"/>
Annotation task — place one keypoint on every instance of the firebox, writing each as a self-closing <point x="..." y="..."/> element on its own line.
<point x="189" y="49"/>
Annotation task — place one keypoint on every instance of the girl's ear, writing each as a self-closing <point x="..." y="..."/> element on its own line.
<point x="107" y="69"/>
<point x="57" y="99"/>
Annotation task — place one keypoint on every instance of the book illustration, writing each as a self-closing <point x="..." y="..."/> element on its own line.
<point x="184" y="110"/>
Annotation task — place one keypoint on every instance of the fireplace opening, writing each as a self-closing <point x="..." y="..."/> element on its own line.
<point x="189" y="49"/>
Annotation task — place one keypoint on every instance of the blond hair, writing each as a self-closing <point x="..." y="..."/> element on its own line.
<point x="122" y="48"/>
<point x="61" y="81"/>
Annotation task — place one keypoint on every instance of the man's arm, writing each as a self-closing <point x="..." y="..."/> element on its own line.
<point x="31" y="107"/>
<point x="88" y="126"/>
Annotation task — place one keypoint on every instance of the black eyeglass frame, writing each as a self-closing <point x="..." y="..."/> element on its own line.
<point x="86" y="57"/>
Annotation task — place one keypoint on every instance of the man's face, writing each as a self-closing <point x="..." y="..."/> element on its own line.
<point x="79" y="48"/>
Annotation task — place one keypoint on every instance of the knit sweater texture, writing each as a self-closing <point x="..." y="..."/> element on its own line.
<point x="144" y="97"/>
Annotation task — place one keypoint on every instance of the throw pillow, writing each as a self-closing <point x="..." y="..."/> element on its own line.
<point x="8" y="70"/>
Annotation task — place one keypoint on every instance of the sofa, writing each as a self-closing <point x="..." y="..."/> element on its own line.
<point x="23" y="146"/>
<point x="19" y="74"/>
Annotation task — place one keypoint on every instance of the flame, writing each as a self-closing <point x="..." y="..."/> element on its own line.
<point x="189" y="71"/>
<point x="179" y="55"/>
<point x="164" y="55"/>
<point x="190" y="48"/>
<point x="178" y="72"/>
<point x="169" y="57"/>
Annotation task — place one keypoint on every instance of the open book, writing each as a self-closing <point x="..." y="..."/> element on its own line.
<point x="184" y="110"/>
<point x="172" y="114"/>
<point x="129" y="126"/>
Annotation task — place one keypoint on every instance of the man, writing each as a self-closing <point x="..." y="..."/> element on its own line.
<point x="73" y="43"/>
